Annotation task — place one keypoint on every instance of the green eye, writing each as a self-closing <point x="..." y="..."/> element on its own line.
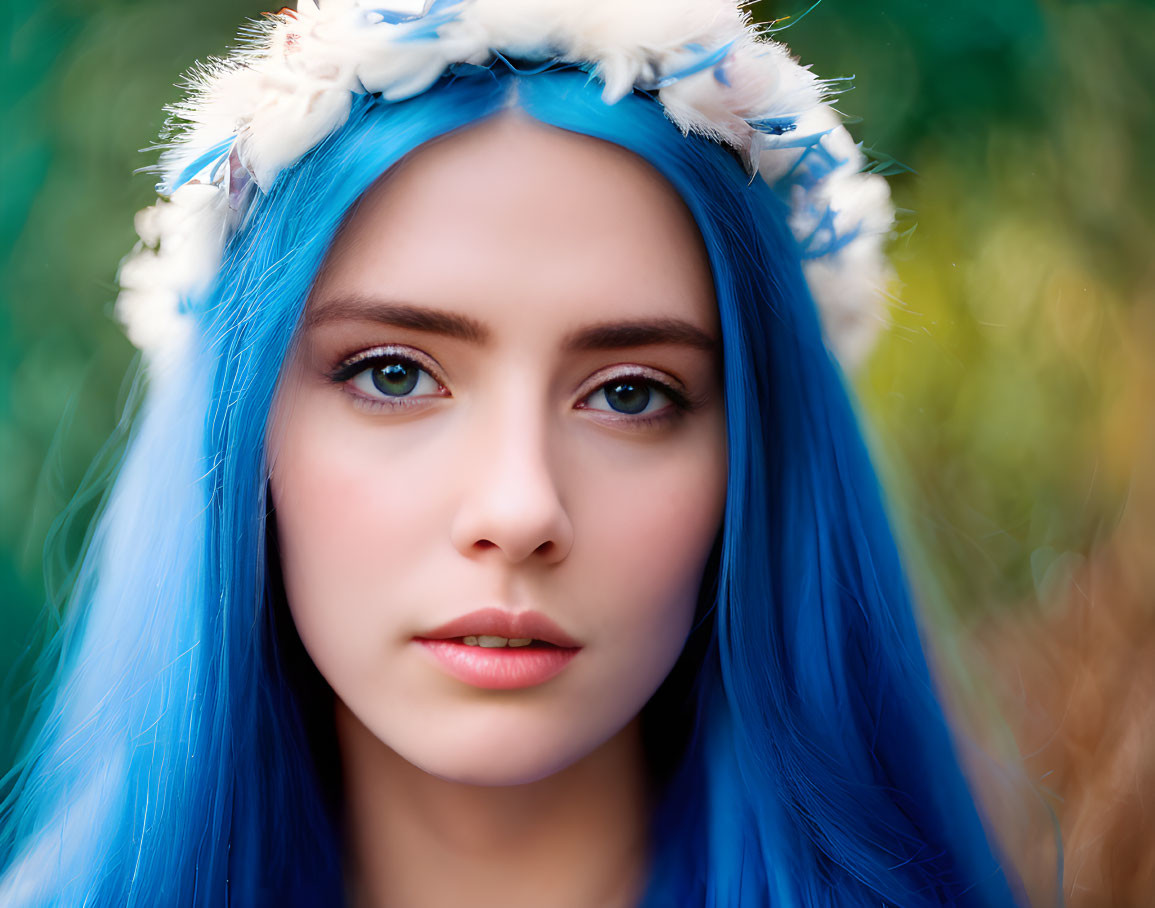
<point x="391" y="377"/>
<point x="395" y="379"/>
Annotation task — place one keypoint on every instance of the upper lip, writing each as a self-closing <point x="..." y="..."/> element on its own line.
<point x="497" y="622"/>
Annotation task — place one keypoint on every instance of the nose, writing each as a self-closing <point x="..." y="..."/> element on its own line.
<point x="511" y="501"/>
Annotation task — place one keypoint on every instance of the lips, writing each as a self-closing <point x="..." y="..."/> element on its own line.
<point x="500" y="667"/>
<point x="496" y="622"/>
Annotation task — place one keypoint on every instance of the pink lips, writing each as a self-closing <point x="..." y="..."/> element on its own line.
<point x="501" y="668"/>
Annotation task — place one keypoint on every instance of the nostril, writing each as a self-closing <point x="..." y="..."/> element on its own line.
<point x="517" y="528"/>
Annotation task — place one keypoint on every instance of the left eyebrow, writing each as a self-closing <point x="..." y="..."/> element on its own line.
<point x="638" y="333"/>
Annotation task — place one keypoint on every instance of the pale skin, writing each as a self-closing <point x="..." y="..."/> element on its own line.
<point x="562" y="450"/>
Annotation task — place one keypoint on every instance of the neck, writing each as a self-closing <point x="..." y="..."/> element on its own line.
<point x="579" y="835"/>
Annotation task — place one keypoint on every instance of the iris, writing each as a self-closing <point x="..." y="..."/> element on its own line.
<point x="628" y="397"/>
<point x="396" y="378"/>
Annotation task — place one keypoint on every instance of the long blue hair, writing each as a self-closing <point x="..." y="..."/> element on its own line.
<point x="799" y="754"/>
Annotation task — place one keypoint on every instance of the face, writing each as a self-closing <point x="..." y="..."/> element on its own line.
<point x="506" y="400"/>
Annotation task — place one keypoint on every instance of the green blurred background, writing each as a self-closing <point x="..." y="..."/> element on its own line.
<point x="1010" y="402"/>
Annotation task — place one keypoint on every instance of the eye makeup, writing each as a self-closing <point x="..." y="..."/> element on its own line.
<point x="625" y="382"/>
<point x="384" y="377"/>
<point x="369" y="377"/>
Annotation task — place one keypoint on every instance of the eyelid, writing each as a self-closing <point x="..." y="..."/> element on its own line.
<point x="359" y="361"/>
<point x="628" y="370"/>
<point x="682" y="400"/>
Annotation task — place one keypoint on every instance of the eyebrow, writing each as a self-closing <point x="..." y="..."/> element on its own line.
<point x="600" y="336"/>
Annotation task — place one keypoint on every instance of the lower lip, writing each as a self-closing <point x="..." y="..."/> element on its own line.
<point x="499" y="667"/>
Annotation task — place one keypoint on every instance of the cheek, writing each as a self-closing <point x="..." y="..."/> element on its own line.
<point x="356" y="515"/>
<point x="648" y="535"/>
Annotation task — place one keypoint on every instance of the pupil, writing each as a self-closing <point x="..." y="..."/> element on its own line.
<point x="627" y="397"/>
<point x="395" y="378"/>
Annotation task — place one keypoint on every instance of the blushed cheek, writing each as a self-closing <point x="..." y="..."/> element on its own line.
<point x="310" y="495"/>
<point x="654" y="543"/>
<point x="354" y="519"/>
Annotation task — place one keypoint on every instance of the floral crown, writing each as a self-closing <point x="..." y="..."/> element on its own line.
<point x="251" y="115"/>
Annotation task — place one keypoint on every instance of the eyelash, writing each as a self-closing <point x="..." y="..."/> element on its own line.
<point x="358" y="364"/>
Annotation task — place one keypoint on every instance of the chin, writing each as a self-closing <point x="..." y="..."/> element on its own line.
<point x="494" y="764"/>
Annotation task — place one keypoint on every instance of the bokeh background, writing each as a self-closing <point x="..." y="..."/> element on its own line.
<point x="1010" y="403"/>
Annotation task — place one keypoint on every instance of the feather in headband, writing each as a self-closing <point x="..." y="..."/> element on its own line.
<point x="255" y="113"/>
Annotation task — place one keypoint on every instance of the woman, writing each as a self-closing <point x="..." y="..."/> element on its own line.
<point x="497" y="527"/>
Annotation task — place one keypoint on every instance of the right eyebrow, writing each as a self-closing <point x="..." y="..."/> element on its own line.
<point x="400" y="315"/>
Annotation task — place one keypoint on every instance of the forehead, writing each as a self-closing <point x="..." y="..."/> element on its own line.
<point x="512" y="220"/>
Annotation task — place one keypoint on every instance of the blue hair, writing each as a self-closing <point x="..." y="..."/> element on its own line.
<point x="799" y="752"/>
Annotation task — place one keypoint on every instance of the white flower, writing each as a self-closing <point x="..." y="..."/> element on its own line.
<point x="277" y="97"/>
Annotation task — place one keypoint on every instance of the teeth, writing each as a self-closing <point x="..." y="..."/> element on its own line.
<point x="469" y="641"/>
<point x="493" y="642"/>
<point x="521" y="641"/>
<point x="486" y="640"/>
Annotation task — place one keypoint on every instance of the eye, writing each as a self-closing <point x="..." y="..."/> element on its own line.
<point x="395" y="377"/>
<point x="630" y="396"/>
<point x="637" y="400"/>
<point x="387" y="377"/>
